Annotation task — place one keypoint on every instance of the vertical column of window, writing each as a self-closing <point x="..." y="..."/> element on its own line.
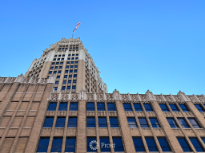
<point x="114" y="122"/>
<point x="183" y="123"/>
<point x="164" y="145"/>
<point x="131" y="122"/>
<point x="102" y="122"/>
<point x="72" y="122"/>
<point x="172" y="123"/>
<point x="198" y="147"/>
<point x="91" y="143"/>
<point x="127" y="107"/>
<point x="118" y="144"/>
<point x="104" y="144"/>
<point x="184" y="145"/>
<point x="164" y="107"/>
<point x="198" y="106"/>
<point x="148" y="107"/>
<point x="154" y="122"/>
<point x="52" y="106"/>
<point x="70" y="145"/>
<point x="73" y="106"/>
<point x="63" y="106"/>
<point x="91" y="122"/>
<point x="111" y="106"/>
<point x="184" y="107"/>
<point x="48" y="122"/>
<point x="174" y="107"/>
<point x="143" y="122"/>
<point x="90" y="106"/>
<point x="101" y="106"/>
<point x="151" y="144"/>
<point x="139" y="147"/>
<point x="57" y="144"/>
<point x="194" y="123"/>
<point x="60" y="123"/>
<point x="43" y="144"/>
<point x="138" y="107"/>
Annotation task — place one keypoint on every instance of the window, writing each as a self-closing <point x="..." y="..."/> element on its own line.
<point x="75" y="71"/>
<point x="184" y="145"/>
<point x="48" y="122"/>
<point x="43" y="145"/>
<point x="63" y="87"/>
<point x="60" y="67"/>
<point x="172" y="123"/>
<point x="198" y="106"/>
<point x="89" y="139"/>
<point x="72" y="62"/>
<point x="139" y="147"/>
<point x="90" y="106"/>
<point x="76" y="66"/>
<point x="151" y="144"/>
<point x="194" y="123"/>
<point x="102" y="122"/>
<point x="183" y="107"/>
<point x="131" y="122"/>
<point x="59" y="71"/>
<point x="58" y="59"/>
<point x="76" y="58"/>
<point x="74" y="81"/>
<point x="148" y="107"/>
<point x="64" y="81"/>
<point x="127" y="107"/>
<point x="72" y="122"/>
<point x="76" y="61"/>
<point x="61" y="62"/>
<point x="104" y="141"/>
<point x="68" y="87"/>
<point x="52" y="106"/>
<point x="143" y="123"/>
<point x="66" y="71"/>
<point x="154" y="122"/>
<point x="69" y="59"/>
<point x="54" y="59"/>
<point x="69" y="55"/>
<point x="57" y="82"/>
<point x="164" y="145"/>
<point x="138" y="107"/>
<point x="67" y="67"/>
<point x="68" y="62"/>
<point x="51" y="68"/>
<point x="60" y="122"/>
<point x="63" y="107"/>
<point x="62" y="59"/>
<point x="55" y="88"/>
<point x="101" y="106"/>
<point x="57" y="63"/>
<point x="56" y="67"/>
<point x="174" y="107"/>
<point x="58" y="76"/>
<point x="183" y="123"/>
<point x="57" y="145"/>
<point x="111" y="106"/>
<point x="71" y="66"/>
<point x="63" y="55"/>
<point x="71" y="71"/>
<point x="70" y="145"/>
<point x="73" y="87"/>
<point x="69" y="81"/>
<point x="164" y="107"/>
<point x="73" y="54"/>
<point x="59" y="55"/>
<point x="90" y="121"/>
<point x="76" y="54"/>
<point x="70" y="76"/>
<point x="114" y="122"/>
<point x="72" y="58"/>
<point x="118" y="144"/>
<point x="65" y="76"/>
<point x="50" y="72"/>
<point x="54" y="72"/>
<point x="196" y="144"/>
<point x="73" y="106"/>
<point x="75" y="75"/>
<point x="53" y="63"/>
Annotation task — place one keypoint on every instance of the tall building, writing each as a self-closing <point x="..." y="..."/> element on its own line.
<point x="61" y="105"/>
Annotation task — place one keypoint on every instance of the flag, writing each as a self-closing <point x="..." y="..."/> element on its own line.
<point x="76" y="27"/>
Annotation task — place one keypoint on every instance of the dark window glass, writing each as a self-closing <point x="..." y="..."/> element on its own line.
<point x="51" y="67"/>
<point x="60" y="122"/>
<point x="64" y="81"/>
<point x="183" y="107"/>
<point x="148" y="107"/>
<point x="138" y="107"/>
<point x="56" y="67"/>
<point x="76" y="61"/>
<point x="53" y="63"/>
<point x="72" y="62"/>
<point x="174" y="107"/>
<point x="71" y="66"/>
<point x="127" y="107"/>
<point x="90" y="121"/>
<point x="193" y="123"/>
<point x="72" y="58"/>
<point x="61" y="63"/>
<point x="198" y="106"/>
<point x="74" y="81"/>
<point x="54" y="59"/>
<point x="196" y="144"/>
<point x="183" y="123"/>
<point x="60" y="67"/>
<point x="118" y="145"/>
<point x="54" y="72"/>
<point x="184" y="145"/>
<point x="58" y="76"/>
<point x="70" y="145"/>
<point x="71" y="71"/>
<point x="89" y="139"/>
<point x="68" y="62"/>
<point x="101" y="106"/>
<point x="66" y="71"/>
<point x="70" y="76"/>
<point x="43" y="145"/>
<point x="57" y="82"/>
<point x="76" y="66"/>
<point x="57" y="63"/>
<point x="164" y="145"/>
<point x="111" y="106"/>
<point x="90" y="106"/>
<point x="151" y="144"/>
<point x="69" y="59"/>
<point x="131" y="122"/>
<point x="68" y="87"/>
<point x="55" y="88"/>
<point x="114" y="122"/>
<point x="63" y="107"/>
<point x="48" y="122"/>
<point x="139" y="147"/>
<point x="69" y="81"/>
<point x="143" y="123"/>
<point x="59" y="71"/>
<point x="73" y="87"/>
<point x="75" y="75"/>
<point x="62" y="59"/>
<point x="75" y="71"/>
<point x="164" y="107"/>
<point x="67" y="67"/>
<point x="154" y="122"/>
<point x="102" y="122"/>
<point x="65" y="76"/>
<point x="73" y="106"/>
<point x="52" y="106"/>
<point x="104" y="147"/>
<point x="172" y="123"/>
<point x="63" y="88"/>
<point x="203" y="139"/>
<point x="57" y="145"/>
<point x="72" y="122"/>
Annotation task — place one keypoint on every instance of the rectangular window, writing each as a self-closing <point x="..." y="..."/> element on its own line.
<point x="71" y="71"/>
<point x="76" y="66"/>
<point x="196" y="144"/>
<point x="101" y="106"/>
<point x="56" y="67"/>
<point x="53" y="63"/>
<point x="66" y="71"/>
<point x="60" y="67"/>
<point x="74" y="81"/>
<point x="64" y="81"/>
<point x="68" y="59"/>
<point x="139" y="147"/>
<point x="102" y="122"/>
<point x="90" y="106"/>
<point x="198" y="106"/>
<point x="69" y="81"/>
<point x="65" y="76"/>
<point x="183" y="123"/>
<point x="154" y="122"/>
<point x="138" y="107"/>
<point x="174" y="107"/>
<point x="75" y="75"/>
<point x="71" y="66"/>
<point x="70" y="76"/>
<point x="164" y="107"/>
<point x="184" y="145"/>
<point x="55" y="88"/>
<point x="104" y="147"/>
<point x="184" y="107"/>
<point x="114" y="122"/>
<point x="43" y="144"/>
<point x="72" y="62"/>
<point x="90" y="121"/>
<point x="68" y="87"/>
<point x="52" y="106"/>
<point x="72" y="122"/>
<point x="59" y="71"/>
<point x="194" y="123"/>
<point x="58" y="59"/>
<point x="89" y="141"/>
<point x="57" y="63"/>
<point x="63" y="107"/>
<point x="164" y="145"/>
<point x="118" y="144"/>
<point x="57" y="82"/>
<point x="62" y="59"/>
<point x="172" y="123"/>
<point x="57" y="145"/>
<point x="127" y="107"/>
<point x="63" y="87"/>
<point x="151" y="144"/>
<point x="70" y="145"/>
<point x="54" y="72"/>
<point x="111" y="106"/>
<point x="60" y="123"/>
<point x="73" y="87"/>
<point x="51" y="68"/>
<point x="58" y="77"/>
<point x="131" y="122"/>
<point x="73" y="106"/>
<point x="67" y="67"/>
<point x="76" y="61"/>
<point x="75" y="71"/>
<point x="143" y="122"/>
<point x="61" y="63"/>
<point x="148" y="107"/>
<point x="48" y="122"/>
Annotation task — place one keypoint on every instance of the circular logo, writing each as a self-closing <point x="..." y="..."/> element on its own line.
<point x="94" y="145"/>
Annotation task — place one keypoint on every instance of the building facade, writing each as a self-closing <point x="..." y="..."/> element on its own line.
<point x="47" y="111"/>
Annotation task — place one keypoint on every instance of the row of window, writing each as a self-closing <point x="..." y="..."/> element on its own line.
<point x="183" y="123"/>
<point x="73" y="58"/>
<point x="58" y="59"/>
<point x="174" y="107"/>
<point x="64" y="55"/>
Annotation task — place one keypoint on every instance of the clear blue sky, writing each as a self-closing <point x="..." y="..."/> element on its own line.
<point x="136" y="44"/>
